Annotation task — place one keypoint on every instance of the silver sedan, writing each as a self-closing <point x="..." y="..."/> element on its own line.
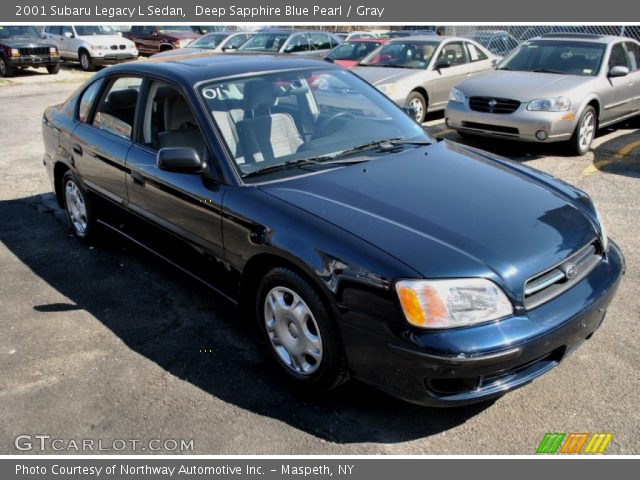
<point x="559" y="87"/>
<point x="420" y="71"/>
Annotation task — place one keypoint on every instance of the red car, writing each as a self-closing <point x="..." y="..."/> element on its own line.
<point x="349" y="53"/>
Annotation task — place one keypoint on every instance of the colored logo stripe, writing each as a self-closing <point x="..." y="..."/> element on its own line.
<point x="550" y="443"/>
<point x="598" y="443"/>
<point x="574" y="443"/>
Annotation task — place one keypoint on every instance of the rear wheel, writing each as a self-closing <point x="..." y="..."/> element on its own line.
<point x="77" y="206"/>
<point x="418" y="102"/>
<point x="86" y="62"/>
<point x="585" y="132"/>
<point x="6" y="70"/>
<point x="299" y="331"/>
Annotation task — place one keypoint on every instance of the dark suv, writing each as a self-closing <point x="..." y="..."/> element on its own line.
<point x="150" y="39"/>
<point x="21" y="47"/>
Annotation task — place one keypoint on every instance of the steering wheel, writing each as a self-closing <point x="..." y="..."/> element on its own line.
<point x="337" y="119"/>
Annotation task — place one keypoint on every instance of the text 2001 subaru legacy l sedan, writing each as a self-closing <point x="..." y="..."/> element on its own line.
<point x="365" y="249"/>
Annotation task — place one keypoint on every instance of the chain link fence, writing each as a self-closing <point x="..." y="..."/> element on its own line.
<point x="525" y="32"/>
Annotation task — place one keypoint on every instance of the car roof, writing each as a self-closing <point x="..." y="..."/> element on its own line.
<point x="212" y="66"/>
<point x="488" y="32"/>
<point x="427" y="38"/>
<point x="588" y="37"/>
<point x="369" y="40"/>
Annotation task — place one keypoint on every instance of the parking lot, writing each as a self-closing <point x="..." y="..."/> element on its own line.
<point x="106" y="342"/>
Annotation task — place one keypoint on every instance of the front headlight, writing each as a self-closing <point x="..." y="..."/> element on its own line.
<point x="456" y="95"/>
<point x="604" y="240"/>
<point x="558" y="104"/>
<point x="452" y="303"/>
<point x="53" y="51"/>
<point x="15" y="52"/>
<point x="387" y="88"/>
<point x="99" y="47"/>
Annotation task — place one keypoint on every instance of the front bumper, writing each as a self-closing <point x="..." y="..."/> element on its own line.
<point x="519" y="125"/>
<point x="33" y="61"/>
<point x="112" y="58"/>
<point x="473" y="364"/>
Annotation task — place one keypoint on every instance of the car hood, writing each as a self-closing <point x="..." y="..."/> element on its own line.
<point x="20" y="43"/>
<point x="447" y="211"/>
<point x="521" y="86"/>
<point x="106" y="40"/>
<point x="380" y="75"/>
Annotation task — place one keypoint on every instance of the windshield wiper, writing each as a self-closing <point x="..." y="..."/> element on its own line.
<point x="545" y="70"/>
<point x="388" y="144"/>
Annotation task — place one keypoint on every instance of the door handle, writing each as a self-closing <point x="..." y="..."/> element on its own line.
<point x="137" y="178"/>
<point x="77" y="149"/>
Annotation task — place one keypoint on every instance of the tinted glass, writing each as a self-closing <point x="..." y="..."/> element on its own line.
<point x="18" y="31"/>
<point x="402" y="54"/>
<point x="87" y="100"/>
<point x="352" y="50"/>
<point x="453" y="53"/>
<point x="556" y="56"/>
<point x="619" y="57"/>
<point x="117" y="109"/>
<point x="270" y="119"/>
<point x="84" y="30"/>
<point x="266" y="42"/>
<point x="211" y="40"/>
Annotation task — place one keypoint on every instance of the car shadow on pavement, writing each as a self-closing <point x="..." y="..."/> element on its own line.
<point x="194" y="334"/>
<point x="620" y="155"/>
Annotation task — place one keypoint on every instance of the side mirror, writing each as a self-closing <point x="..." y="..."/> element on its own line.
<point x="495" y="61"/>
<point x="179" y="159"/>
<point x="410" y="110"/>
<point x="68" y="35"/>
<point x="440" y="64"/>
<point x="619" y="71"/>
<point x="327" y="59"/>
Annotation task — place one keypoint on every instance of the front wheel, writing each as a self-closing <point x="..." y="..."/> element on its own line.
<point x="300" y="333"/>
<point x="6" y="70"/>
<point x="584" y="133"/>
<point x="86" y="62"/>
<point x="418" y="102"/>
<point x="53" y="69"/>
<point x="77" y="205"/>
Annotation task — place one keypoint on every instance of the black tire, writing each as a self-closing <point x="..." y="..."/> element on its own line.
<point x="420" y="103"/>
<point x="86" y="62"/>
<point x="332" y="370"/>
<point x="6" y="70"/>
<point x="577" y="145"/>
<point x="53" y="69"/>
<point x="88" y="217"/>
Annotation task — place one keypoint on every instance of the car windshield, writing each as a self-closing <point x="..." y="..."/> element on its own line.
<point x="18" y="32"/>
<point x="175" y="29"/>
<point x="402" y="54"/>
<point x="317" y="117"/>
<point x="556" y="56"/>
<point x="265" y="42"/>
<point x="210" y="40"/>
<point x="85" y="30"/>
<point x="352" y="50"/>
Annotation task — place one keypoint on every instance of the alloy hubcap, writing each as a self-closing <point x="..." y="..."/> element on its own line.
<point x="417" y="104"/>
<point x="85" y="61"/>
<point x="292" y="330"/>
<point x="76" y="207"/>
<point x="3" y="68"/>
<point x="587" y="131"/>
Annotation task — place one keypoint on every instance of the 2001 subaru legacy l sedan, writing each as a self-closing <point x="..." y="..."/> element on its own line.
<point x="436" y="272"/>
<point x="560" y="87"/>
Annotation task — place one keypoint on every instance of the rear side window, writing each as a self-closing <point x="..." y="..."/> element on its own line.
<point x="87" y="100"/>
<point x="117" y="108"/>
<point x="634" y="54"/>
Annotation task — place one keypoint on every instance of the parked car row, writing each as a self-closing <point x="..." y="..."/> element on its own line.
<point x="558" y="87"/>
<point x="21" y="47"/>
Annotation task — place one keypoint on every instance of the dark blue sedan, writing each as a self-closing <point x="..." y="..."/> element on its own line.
<point x="363" y="248"/>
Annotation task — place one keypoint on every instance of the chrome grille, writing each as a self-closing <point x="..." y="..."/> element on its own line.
<point x="552" y="282"/>
<point x="493" y="105"/>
